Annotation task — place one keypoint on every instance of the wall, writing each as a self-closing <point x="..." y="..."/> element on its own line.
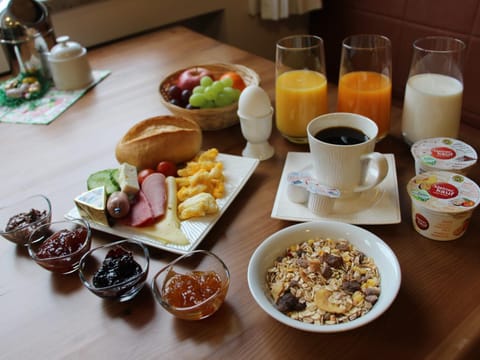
<point x="403" y="21"/>
<point x="96" y="22"/>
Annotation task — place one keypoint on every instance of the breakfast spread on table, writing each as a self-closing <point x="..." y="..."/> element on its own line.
<point x="165" y="180"/>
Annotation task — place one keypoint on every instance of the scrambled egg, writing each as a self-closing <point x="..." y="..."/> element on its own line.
<point x="198" y="205"/>
<point x="202" y="175"/>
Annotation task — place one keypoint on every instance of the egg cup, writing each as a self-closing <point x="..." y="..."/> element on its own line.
<point x="257" y="132"/>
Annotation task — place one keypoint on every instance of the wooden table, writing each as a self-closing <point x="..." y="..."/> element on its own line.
<point x="44" y="316"/>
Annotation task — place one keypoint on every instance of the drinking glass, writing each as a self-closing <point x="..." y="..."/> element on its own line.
<point x="433" y="95"/>
<point x="301" y="85"/>
<point x="365" y="79"/>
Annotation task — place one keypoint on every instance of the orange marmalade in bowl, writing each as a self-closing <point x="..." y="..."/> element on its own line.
<point x="193" y="286"/>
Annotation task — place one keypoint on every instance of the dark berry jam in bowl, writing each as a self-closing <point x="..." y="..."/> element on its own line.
<point x="20" y="219"/>
<point x="59" y="246"/>
<point x="115" y="271"/>
<point x="193" y="286"/>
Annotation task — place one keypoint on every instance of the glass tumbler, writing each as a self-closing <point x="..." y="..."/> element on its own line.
<point x="300" y="86"/>
<point x="433" y="95"/>
<point x="365" y="79"/>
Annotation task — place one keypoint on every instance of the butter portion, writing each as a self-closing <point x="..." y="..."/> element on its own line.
<point x="127" y="179"/>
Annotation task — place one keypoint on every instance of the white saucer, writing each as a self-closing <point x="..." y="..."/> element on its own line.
<point x="379" y="205"/>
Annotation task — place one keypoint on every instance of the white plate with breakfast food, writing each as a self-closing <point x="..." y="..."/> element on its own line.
<point x="237" y="171"/>
<point x="165" y="192"/>
<point x="324" y="276"/>
<point x="379" y="205"/>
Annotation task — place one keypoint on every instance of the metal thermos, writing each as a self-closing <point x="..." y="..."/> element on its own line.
<point x="27" y="34"/>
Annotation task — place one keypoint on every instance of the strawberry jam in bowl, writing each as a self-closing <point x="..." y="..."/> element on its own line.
<point x="193" y="286"/>
<point x="59" y="246"/>
<point x="115" y="271"/>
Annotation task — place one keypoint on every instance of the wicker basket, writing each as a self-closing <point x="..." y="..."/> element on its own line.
<point x="210" y="119"/>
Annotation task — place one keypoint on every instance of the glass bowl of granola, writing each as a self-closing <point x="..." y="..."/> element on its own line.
<point x="324" y="276"/>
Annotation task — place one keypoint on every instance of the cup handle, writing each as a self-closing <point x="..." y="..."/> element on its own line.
<point x="374" y="170"/>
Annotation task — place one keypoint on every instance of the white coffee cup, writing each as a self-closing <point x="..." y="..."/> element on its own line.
<point x="348" y="168"/>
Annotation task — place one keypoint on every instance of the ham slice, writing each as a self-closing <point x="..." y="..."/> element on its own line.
<point x="140" y="212"/>
<point x="154" y="189"/>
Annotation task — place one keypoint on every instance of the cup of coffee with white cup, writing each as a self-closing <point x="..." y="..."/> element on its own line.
<point x="342" y="150"/>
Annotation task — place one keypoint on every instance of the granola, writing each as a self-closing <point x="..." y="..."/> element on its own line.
<point x="324" y="281"/>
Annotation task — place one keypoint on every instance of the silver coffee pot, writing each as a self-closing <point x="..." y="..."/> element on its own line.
<point x="27" y="34"/>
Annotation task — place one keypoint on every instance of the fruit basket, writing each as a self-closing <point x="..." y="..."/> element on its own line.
<point x="210" y="118"/>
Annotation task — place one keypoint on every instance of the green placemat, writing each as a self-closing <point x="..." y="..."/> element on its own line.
<point x="49" y="107"/>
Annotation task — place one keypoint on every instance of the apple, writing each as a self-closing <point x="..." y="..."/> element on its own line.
<point x="190" y="78"/>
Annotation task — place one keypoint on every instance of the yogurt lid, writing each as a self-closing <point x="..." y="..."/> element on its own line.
<point x="444" y="191"/>
<point x="444" y="153"/>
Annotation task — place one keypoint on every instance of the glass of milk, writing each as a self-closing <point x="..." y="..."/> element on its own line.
<point x="433" y="94"/>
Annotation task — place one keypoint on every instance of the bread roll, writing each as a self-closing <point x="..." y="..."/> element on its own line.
<point x="161" y="138"/>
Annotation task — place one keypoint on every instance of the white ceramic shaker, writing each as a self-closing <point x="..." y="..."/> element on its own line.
<point x="255" y="113"/>
<point x="69" y="65"/>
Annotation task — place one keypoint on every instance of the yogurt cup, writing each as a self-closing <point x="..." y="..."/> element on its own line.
<point x="442" y="204"/>
<point x="443" y="154"/>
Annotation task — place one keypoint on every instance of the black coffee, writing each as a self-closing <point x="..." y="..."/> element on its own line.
<point x="341" y="135"/>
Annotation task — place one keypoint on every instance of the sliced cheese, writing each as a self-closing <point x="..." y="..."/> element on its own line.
<point x="92" y="205"/>
<point x="127" y="179"/>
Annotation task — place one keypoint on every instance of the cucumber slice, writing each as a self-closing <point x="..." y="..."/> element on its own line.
<point x="103" y="178"/>
<point x="114" y="177"/>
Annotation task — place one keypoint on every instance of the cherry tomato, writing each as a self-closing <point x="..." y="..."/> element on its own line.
<point x="143" y="174"/>
<point x="238" y="82"/>
<point x="167" y="168"/>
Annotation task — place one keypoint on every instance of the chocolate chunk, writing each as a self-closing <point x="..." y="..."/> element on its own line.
<point x="351" y="286"/>
<point x="326" y="271"/>
<point x="334" y="261"/>
<point x="288" y="302"/>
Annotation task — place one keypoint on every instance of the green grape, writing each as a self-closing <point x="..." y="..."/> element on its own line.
<point x="227" y="81"/>
<point x="223" y="99"/>
<point x="218" y="86"/>
<point x="237" y="94"/>
<point x="231" y="93"/>
<point x="209" y="104"/>
<point x="211" y="93"/>
<point x="198" y="90"/>
<point x="229" y="96"/>
<point x="206" y="81"/>
<point x="197" y="100"/>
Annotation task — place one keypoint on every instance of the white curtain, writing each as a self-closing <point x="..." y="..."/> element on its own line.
<point x="281" y="9"/>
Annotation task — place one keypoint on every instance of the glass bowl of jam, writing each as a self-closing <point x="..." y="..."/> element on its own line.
<point x="116" y="271"/>
<point x="60" y="245"/>
<point x="20" y="219"/>
<point x="193" y="286"/>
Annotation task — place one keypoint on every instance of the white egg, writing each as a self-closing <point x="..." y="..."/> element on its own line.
<point x="254" y="102"/>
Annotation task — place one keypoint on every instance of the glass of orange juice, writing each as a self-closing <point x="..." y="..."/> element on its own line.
<point x="300" y="86"/>
<point x="365" y="79"/>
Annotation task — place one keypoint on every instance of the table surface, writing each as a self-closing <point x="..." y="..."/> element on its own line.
<point x="436" y="313"/>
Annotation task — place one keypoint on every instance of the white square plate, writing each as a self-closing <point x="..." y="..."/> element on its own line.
<point x="237" y="171"/>
<point x="379" y="205"/>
